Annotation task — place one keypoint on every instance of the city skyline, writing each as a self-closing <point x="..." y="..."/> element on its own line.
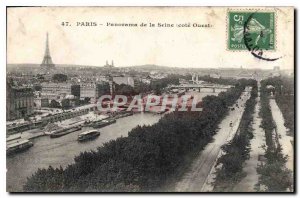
<point x="9" y="65"/>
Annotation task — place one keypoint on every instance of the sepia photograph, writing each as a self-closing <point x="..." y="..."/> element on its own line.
<point x="150" y="99"/>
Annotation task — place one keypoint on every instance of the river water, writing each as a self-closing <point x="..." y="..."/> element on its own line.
<point x="61" y="151"/>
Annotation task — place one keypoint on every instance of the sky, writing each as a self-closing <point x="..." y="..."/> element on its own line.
<point x="128" y="46"/>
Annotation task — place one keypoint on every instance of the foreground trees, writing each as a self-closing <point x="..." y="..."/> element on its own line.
<point x="54" y="104"/>
<point x="145" y="159"/>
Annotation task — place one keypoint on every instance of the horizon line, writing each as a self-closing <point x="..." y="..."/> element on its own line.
<point x="177" y="67"/>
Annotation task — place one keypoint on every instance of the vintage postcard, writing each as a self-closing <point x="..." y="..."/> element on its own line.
<point x="150" y="99"/>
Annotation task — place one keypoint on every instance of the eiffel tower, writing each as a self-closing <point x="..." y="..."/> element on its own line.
<point x="47" y="61"/>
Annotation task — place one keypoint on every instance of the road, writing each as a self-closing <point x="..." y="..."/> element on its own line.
<point x="196" y="177"/>
<point x="247" y="184"/>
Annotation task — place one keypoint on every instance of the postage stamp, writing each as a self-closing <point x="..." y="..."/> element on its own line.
<point x="251" y="30"/>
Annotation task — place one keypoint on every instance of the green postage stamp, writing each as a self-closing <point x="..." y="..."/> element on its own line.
<point x="251" y="30"/>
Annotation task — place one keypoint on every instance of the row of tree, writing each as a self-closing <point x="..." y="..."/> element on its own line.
<point x="223" y="81"/>
<point x="284" y="96"/>
<point x="66" y="103"/>
<point x="285" y="100"/>
<point x="145" y="159"/>
<point x="274" y="176"/>
<point x="236" y="152"/>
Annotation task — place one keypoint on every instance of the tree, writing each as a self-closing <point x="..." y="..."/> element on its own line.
<point x="86" y="100"/>
<point x="40" y="77"/>
<point x="65" y="103"/>
<point x="37" y="88"/>
<point x="54" y="104"/>
<point x="59" y="78"/>
<point x="123" y="89"/>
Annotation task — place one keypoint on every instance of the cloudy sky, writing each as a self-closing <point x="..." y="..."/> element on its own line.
<point x="127" y="46"/>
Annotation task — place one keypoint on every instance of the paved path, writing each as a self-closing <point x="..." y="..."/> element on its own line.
<point x="196" y="177"/>
<point x="30" y="134"/>
<point x="284" y="139"/>
<point x="247" y="183"/>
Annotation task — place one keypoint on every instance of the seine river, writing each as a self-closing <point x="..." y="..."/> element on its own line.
<point x="61" y="151"/>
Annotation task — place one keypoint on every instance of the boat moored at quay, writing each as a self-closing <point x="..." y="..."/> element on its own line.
<point x="18" y="146"/>
<point x="103" y="123"/>
<point x="64" y="131"/>
<point x="88" y="135"/>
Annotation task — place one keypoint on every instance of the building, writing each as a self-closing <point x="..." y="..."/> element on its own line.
<point x="88" y="90"/>
<point x="56" y="88"/>
<point x="247" y="74"/>
<point x="41" y="102"/>
<point x="215" y="75"/>
<point x="75" y="90"/>
<point x="19" y="102"/>
<point x="103" y="89"/>
<point x="127" y="80"/>
<point x="109" y="66"/>
<point x="143" y="79"/>
<point x="195" y="79"/>
<point x="58" y="91"/>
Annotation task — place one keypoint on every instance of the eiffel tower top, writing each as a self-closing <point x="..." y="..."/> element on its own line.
<point x="47" y="61"/>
